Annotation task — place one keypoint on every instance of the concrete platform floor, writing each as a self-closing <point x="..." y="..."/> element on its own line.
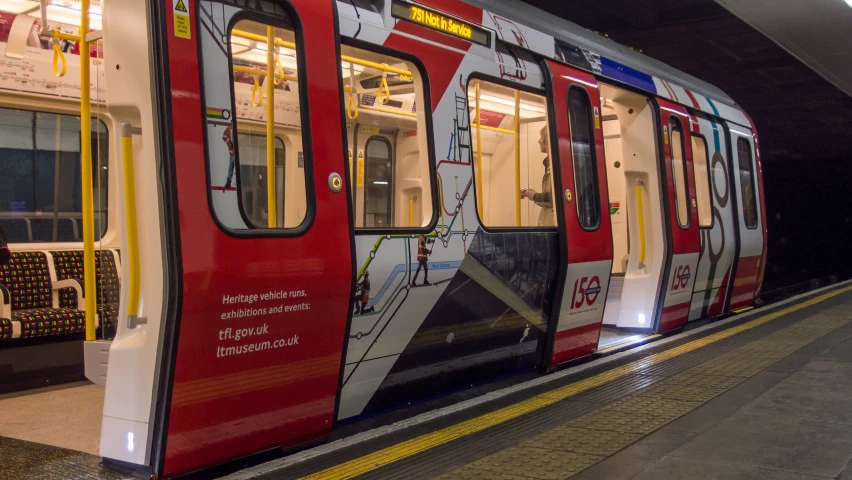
<point x="792" y="420"/>
<point x="68" y="416"/>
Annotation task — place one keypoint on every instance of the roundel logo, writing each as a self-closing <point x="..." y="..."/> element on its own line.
<point x="680" y="279"/>
<point x="586" y="291"/>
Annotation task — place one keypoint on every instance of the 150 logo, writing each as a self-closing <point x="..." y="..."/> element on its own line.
<point x="586" y="291"/>
<point x="681" y="277"/>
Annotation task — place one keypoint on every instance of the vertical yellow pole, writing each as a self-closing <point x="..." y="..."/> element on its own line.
<point x="132" y="232"/>
<point x="410" y="210"/>
<point x="86" y="175"/>
<point x="272" y="221"/>
<point x="479" y="178"/>
<point x="641" y="219"/>
<point x="518" y="157"/>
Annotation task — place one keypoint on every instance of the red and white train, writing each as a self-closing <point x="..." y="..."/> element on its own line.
<point x="346" y="207"/>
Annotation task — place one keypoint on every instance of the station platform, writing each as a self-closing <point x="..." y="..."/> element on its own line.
<point x="761" y="395"/>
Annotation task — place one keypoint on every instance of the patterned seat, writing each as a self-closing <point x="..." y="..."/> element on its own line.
<point x="69" y="264"/>
<point x="39" y="322"/>
<point x="27" y="277"/>
<point x="5" y="329"/>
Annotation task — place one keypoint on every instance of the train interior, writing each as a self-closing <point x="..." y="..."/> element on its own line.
<point x="628" y="122"/>
<point x="40" y="194"/>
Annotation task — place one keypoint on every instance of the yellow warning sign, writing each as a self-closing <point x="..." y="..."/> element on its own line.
<point x="360" y="168"/>
<point x="597" y="121"/>
<point x="181" y="15"/>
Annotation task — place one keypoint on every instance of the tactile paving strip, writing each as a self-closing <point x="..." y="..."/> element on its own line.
<point x="21" y="460"/>
<point x="582" y="440"/>
<point x="536" y="463"/>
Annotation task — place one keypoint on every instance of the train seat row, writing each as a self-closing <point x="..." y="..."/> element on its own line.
<point x="42" y="293"/>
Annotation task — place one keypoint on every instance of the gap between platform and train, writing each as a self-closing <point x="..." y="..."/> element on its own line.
<point x="425" y="442"/>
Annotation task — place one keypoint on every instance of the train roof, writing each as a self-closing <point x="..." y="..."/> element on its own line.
<point x="610" y="52"/>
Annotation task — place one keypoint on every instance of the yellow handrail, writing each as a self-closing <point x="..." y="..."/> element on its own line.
<point x="410" y="211"/>
<point x="86" y="175"/>
<point x="388" y="110"/>
<point x="478" y="179"/>
<point x="405" y="74"/>
<point x="272" y="214"/>
<point x="259" y="71"/>
<point x="641" y="217"/>
<point x="493" y="129"/>
<point x="130" y="219"/>
<point x="518" y="157"/>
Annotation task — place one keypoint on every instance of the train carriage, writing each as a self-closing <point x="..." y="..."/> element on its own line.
<point x="310" y="213"/>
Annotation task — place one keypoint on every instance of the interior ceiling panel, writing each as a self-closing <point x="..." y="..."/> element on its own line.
<point x="800" y="116"/>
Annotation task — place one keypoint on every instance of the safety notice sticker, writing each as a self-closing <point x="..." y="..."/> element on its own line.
<point x="182" y="29"/>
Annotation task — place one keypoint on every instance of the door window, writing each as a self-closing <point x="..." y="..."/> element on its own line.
<point x="681" y="189"/>
<point x="387" y="140"/>
<point x="583" y="156"/>
<point x="251" y="189"/>
<point x="510" y="146"/>
<point x="746" y="170"/>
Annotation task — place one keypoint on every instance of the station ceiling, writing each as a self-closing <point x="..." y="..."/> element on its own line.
<point x="800" y="116"/>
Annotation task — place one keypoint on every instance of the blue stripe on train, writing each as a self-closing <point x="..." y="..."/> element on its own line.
<point x="630" y="76"/>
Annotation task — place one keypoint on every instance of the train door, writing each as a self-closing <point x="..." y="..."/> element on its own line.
<point x="715" y="216"/>
<point x="585" y="232"/>
<point x="266" y="286"/>
<point x="744" y="184"/>
<point x="680" y="202"/>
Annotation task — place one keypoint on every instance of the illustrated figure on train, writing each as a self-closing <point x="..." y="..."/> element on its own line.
<point x="423" y="253"/>
<point x="362" y="296"/>
<point x="543" y="199"/>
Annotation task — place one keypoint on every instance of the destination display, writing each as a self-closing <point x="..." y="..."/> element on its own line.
<point x="442" y="23"/>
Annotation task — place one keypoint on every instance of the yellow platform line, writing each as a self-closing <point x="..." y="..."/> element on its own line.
<point x="408" y="448"/>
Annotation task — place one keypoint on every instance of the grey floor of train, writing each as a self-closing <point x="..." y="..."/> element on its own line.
<point x="759" y="395"/>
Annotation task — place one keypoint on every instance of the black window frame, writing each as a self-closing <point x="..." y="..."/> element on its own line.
<point x="293" y="22"/>
<point x="740" y="141"/>
<point x="431" y="161"/>
<point x="709" y="181"/>
<point x="101" y="221"/>
<point x="675" y="122"/>
<point x="593" y="154"/>
<point x="554" y="167"/>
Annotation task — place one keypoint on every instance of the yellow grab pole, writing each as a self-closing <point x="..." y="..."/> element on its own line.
<point x="130" y="218"/>
<point x="272" y="220"/>
<point x="86" y="174"/>
<point x="517" y="157"/>
<point x="641" y="217"/>
<point x="479" y="179"/>
<point x="410" y="210"/>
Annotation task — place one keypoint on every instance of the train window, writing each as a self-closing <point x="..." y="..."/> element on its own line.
<point x="681" y="188"/>
<point x="510" y="149"/>
<point x="702" y="188"/>
<point x="583" y="155"/>
<point x="747" y="182"/>
<point x="386" y="136"/>
<point x="40" y="194"/>
<point x="253" y="184"/>
<point x="251" y="188"/>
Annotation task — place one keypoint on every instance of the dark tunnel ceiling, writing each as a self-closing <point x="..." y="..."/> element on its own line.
<point x="799" y="115"/>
